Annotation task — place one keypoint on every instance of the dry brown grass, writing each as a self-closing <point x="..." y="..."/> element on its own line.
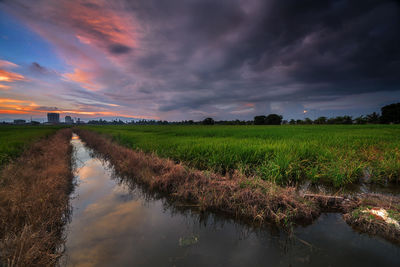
<point x="34" y="197"/>
<point x="239" y="196"/>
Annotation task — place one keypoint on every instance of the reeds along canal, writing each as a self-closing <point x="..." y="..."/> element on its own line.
<point x="116" y="223"/>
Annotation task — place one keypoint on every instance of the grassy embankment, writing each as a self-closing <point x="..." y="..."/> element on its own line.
<point x="242" y="197"/>
<point x="15" y="139"/>
<point x="333" y="154"/>
<point x="35" y="181"/>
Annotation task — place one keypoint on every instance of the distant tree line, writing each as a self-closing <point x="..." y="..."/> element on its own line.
<point x="389" y="114"/>
<point x="104" y="122"/>
<point x="271" y="119"/>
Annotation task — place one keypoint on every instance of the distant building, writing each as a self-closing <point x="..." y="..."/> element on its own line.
<point x="53" y="118"/>
<point x="68" y="120"/>
<point x="19" y="121"/>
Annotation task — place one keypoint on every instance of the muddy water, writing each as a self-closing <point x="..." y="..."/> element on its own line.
<point x="116" y="224"/>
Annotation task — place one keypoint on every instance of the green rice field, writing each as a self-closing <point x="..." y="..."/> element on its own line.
<point x="333" y="154"/>
<point x="14" y="139"/>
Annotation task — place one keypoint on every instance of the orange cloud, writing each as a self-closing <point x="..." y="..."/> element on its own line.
<point x="15" y="109"/>
<point x="85" y="79"/>
<point x="10" y="100"/>
<point x="8" y="76"/>
<point x="5" y="111"/>
<point x="4" y="87"/>
<point x="15" y="106"/>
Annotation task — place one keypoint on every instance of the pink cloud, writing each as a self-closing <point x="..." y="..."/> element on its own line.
<point x="7" y="64"/>
<point x="84" y="78"/>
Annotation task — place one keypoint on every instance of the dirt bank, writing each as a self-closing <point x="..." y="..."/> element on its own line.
<point x="242" y="197"/>
<point x="34" y="196"/>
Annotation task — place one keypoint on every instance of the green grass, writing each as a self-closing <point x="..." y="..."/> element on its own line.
<point x="14" y="139"/>
<point x="336" y="154"/>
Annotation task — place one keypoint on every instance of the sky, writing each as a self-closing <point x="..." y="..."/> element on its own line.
<point x="190" y="59"/>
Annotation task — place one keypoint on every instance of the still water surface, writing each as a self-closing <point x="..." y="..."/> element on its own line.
<point x="115" y="223"/>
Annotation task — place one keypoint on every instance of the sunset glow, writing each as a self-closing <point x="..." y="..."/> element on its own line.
<point x="7" y="76"/>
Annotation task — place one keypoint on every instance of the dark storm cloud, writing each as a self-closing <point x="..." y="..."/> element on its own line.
<point x="321" y="49"/>
<point x="36" y="67"/>
<point x="90" y="5"/>
<point x="119" y="49"/>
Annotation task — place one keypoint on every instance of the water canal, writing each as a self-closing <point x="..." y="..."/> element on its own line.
<point x="115" y="223"/>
